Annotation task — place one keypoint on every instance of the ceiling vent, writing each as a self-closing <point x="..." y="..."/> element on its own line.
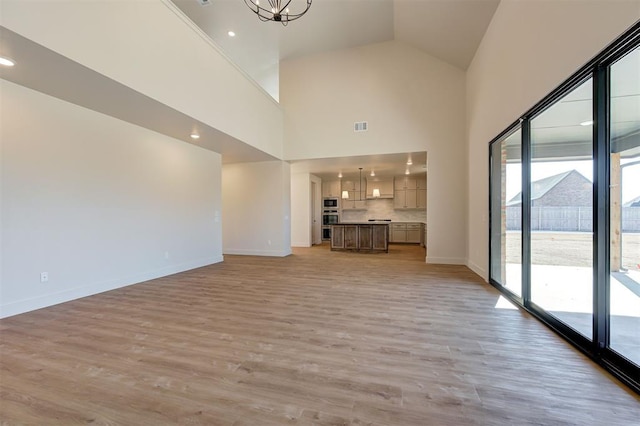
<point x="360" y="126"/>
<point x="204" y="2"/>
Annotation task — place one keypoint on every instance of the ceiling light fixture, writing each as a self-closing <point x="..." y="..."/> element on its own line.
<point x="277" y="10"/>
<point x="376" y="192"/>
<point x="587" y="123"/>
<point x="406" y="172"/>
<point x="195" y="136"/>
<point x="231" y="34"/>
<point x="6" y="62"/>
<point x="409" y="162"/>
<point x="340" y="175"/>
<point x="372" y="173"/>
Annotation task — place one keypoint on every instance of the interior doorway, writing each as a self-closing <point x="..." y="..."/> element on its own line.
<point x="316" y="237"/>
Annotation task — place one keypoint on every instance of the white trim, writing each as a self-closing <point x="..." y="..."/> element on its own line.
<point x="250" y="252"/>
<point x="447" y="260"/>
<point x="482" y="272"/>
<point x="301" y="244"/>
<point x="43" y="301"/>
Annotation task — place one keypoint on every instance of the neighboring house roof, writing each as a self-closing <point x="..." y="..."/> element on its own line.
<point x="633" y="203"/>
<point x="540" y="187"/>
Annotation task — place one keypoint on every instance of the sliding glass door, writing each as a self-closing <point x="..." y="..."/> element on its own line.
<point x="561" y="196"/>
<point x="624" y="210"/>
<point x="565" y="209"/>
<point x="506" y="207"/>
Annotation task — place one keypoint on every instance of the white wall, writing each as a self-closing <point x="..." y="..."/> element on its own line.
<point x="256" y="208"/>
<point x="301" y="210"/>
<point x="412" y="101"/>
<point x="301" y="232"/>
<point x="529" y="48"/>
<point x="150" y="47"/>
<point x="96" y="202"/>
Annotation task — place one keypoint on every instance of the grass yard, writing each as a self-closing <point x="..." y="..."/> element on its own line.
<point x="569" y="249"/>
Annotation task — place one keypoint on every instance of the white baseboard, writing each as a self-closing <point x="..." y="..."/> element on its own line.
<point x="447" y="260"/>
<point x="247" y="252"/>
<point x="43" y="301"/>
<point x="482" y="272"/>
<point x="305" y="244"/>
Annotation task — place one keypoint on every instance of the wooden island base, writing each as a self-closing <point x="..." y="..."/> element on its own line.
<point x="365" y="237"/>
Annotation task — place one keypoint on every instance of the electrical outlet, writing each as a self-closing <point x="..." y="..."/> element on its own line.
<point x="44" y="277"/>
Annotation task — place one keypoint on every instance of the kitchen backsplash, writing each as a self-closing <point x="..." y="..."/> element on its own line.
<point x="383" y="209"/>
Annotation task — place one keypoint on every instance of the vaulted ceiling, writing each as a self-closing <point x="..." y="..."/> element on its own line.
<point x="450" y="30"/>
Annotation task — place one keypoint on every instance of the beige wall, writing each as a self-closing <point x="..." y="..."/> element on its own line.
<point x="96" y="202"/>
<point x="529" y="48"/>
<point x="256" y="208"/>
<point x="412" y="101"/>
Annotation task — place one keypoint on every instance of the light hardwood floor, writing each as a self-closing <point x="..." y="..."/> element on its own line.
<point x="316" y="338"/>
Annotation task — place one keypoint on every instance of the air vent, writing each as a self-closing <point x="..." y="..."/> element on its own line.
<point x="360" y="126"/>
<point x="204" y="2"/>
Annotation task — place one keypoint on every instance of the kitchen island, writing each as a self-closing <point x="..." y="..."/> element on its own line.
<point x="360" y="236"/>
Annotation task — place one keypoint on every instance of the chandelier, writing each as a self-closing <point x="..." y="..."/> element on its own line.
<point x="277" y="10"/>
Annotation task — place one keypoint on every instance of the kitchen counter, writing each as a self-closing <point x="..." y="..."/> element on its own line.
<point x="360" y="236"/>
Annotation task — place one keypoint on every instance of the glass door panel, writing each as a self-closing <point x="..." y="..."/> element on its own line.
<point x="562" y="208"/>
<point x="624" y="211"/>
<point x="506" y="212"/>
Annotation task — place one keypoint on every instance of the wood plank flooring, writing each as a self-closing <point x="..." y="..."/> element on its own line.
<point x="316" y="338"/>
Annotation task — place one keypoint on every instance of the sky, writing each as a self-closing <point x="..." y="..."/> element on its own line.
<point x="630" y="175"/>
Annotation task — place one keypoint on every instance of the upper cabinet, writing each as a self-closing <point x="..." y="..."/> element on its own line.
<point x="410" y="192"/>
<point x="405" y="182"/>
<point x="353" y="185"/>
<point x="384" y="185"/>
<point x="331" y="188"/>
<point x="355" y="189"/>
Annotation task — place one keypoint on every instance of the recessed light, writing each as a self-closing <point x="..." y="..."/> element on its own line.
<point x="587" y="123"/>
<point x="195" y="136"/>
<point x="6" y="62"/>
<point x="231" y="34"/>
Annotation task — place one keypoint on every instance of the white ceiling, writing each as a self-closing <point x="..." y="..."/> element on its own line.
<point x="450" y="30"/>
<point x="386" y="165"/>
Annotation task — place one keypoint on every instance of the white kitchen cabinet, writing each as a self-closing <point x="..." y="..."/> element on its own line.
<point x="357" y="195"/>
<point x="331" y="188"/>
<point x="353" y="185"/>
<point x="397" y="232"/>
<point x="354" y="204"/>
<point x="409" y="193"/>
<point x="405" y="199"/>
<point x="414" y="233"/>
<point x="405" y="182"/>
<point x="406" y="232"/>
